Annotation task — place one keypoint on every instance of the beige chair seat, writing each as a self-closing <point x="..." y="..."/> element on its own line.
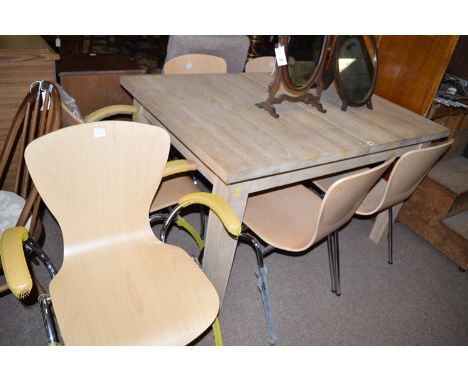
<point x="171" y="190"/>
<point x="142" y="298"/>
<point x="371" y="200"/>
<point x="285" y="217"/>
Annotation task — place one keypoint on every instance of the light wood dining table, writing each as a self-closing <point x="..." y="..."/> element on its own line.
<point x="241" y="149"/>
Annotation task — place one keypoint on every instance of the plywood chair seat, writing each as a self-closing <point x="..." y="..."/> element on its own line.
<point x="136" y="292"/>
<point x="284" y="217"/>
<point x="195" y="64"/>
<point x="405" y="177"/>
<point x="118" y="284"/>
<point x="171" y="190"/>
<point x="293" y="218"/>
<point x="265" y="64"/>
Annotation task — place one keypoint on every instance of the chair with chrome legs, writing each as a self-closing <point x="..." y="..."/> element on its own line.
<point x="293" y="218"/>
<point x="118" y="285"/>
<point x="405" y="177"/>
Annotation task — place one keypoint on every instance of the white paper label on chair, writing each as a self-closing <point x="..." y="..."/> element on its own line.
<point x="188" y="66"/>
<point x="99" y="132"/>
<point x="280" y="55"/>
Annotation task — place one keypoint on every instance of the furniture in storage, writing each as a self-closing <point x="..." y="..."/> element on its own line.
<point x="240" y="149"/>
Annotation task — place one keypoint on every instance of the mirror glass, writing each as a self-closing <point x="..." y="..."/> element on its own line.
<point x="303" y="58"/>
<point x="356" y="69"/>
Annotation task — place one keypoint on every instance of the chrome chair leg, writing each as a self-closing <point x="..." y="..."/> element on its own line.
<point x="202" y="221"/>
<point x="336" y="251"/>
<point x="331" y="262"/>
<point x="262" y="285"/>
<point x="44" y="304"/>
<point x="390" y="235"/>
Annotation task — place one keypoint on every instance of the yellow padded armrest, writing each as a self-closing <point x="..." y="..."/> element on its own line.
<point x="218" y="205"/>
<point x="108" y="111"/>
<point x="14" y="264"/>
<point x="179" y="166"/>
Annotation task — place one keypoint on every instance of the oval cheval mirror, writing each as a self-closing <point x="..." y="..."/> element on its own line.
<point x="355" y="69"/>
<point x="300" y="74"/>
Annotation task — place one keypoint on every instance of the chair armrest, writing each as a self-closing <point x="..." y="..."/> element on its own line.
<point x="219" y="206"/>
<point x="108" y="111"/>
<point x="14" y="264"/>
<point x="179" y="166"/>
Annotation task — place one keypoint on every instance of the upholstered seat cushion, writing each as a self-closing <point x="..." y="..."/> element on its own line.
<point x="11" y="206"/>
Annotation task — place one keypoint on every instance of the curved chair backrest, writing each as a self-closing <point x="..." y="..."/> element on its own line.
<point x="232" y="48"/>
<point x="118" y="283"/>
<point x="344" y="197"/>
<point x="38" y="114"/>
<point x="407" y="173"/>
<point x="264" y="64"/>
<point x="195" y="64"/>
<point x="98" y="179"/>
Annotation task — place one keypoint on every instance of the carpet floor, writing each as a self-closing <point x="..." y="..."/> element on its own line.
<point x="422" y="299"/>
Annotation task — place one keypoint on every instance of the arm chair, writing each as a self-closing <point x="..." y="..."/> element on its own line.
<point x="265" y="64"/>
<point x="119" y="284"/>
<point x="175" y="183"/>
<point x="195" y="64"/>
<point x="233" y="49"/>
<point x="38" y="114"/>
<point x="405" y="177"/>
<point x="293" y="218"/>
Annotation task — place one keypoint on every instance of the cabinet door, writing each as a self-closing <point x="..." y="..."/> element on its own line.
<point x="411" y="69"/>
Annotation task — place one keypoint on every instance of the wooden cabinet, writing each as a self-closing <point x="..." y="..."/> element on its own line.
<point x="93" y="80"/>
<point x="23" y="60"/>
<point x="411" y="69"/>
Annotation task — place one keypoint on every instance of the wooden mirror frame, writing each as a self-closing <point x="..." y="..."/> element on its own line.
<point x="370" y="44"/>
<point x="290" y="92"/>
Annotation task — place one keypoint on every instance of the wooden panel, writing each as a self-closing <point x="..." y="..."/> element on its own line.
<point x="423" y="213"/>
<point x="23" y="59"/>
<point x="411" y="68"/>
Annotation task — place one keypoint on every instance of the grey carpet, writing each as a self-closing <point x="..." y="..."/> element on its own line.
<point x="422" y="299"/>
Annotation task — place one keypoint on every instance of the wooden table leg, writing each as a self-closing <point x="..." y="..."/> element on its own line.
<point x="220" y="246"/>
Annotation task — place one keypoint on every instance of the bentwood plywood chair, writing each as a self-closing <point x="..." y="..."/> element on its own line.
<point x="176" y="182"/>
<point x="265" y="64"/>
<point x="38" y="114"/>
<point x="195" y="64"/>
<point x="293" y="218"/>
<point x="119" y="285"/>
<point x="405" y="177"/>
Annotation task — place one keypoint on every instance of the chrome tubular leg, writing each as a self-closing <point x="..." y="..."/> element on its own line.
<point x="331" y="262"/>
<point x="42" y="256"/>
<point x="202" y="221"/>
<point x="44" y="304"/>
<point x="157" y="217"/>
<point x="337" y="263"/>
<point x="168" y="222"/>
<point x="262" y="285"/>
<point x="390" y="235"/>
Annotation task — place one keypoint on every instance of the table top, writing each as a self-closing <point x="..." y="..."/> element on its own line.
<point x="216" y="118"/>
<point x="25" y="48"/>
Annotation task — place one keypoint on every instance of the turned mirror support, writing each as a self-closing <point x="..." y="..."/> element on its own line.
<point x="294" y="89"/>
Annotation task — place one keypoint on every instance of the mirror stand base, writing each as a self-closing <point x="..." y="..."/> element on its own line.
<point x="307" y="98"/>
<point x="344" y="105"/>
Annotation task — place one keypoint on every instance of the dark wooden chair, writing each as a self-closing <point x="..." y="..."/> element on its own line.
<point x="38" y="114"/>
